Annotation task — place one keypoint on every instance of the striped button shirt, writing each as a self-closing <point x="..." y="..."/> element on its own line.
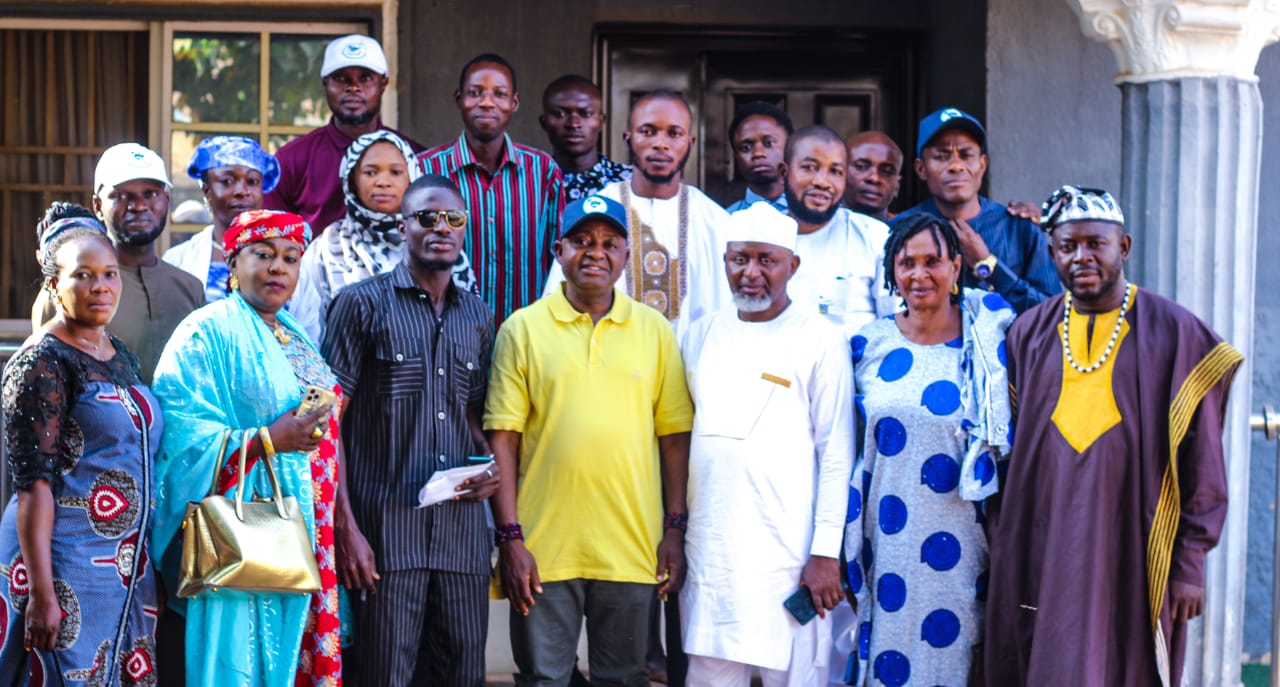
<point x="410" y="378"/>
<point x="515" y="217"/>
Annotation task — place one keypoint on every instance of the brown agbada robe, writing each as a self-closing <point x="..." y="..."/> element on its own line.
<point x="1068" y="596"/>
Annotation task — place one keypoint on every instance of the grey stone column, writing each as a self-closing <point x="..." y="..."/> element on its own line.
<point x="1191" y="154"/>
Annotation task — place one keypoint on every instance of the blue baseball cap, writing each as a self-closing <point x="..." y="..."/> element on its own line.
<point x="593" y="207"/>
<point x="949" y="118"/>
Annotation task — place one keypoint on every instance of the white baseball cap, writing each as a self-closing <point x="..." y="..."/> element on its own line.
<point x="354" y="51"/>
<point x="126" y="162"/>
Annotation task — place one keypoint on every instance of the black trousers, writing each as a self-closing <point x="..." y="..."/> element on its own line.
<point x="423" y="627"/>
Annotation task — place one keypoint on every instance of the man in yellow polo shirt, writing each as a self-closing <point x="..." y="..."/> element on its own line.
<point x="588" y="408"/>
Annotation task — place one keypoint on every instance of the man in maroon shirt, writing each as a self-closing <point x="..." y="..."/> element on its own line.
<point x="354" y="75"/>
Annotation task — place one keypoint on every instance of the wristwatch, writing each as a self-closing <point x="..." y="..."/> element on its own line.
<point x="985" y="267"/>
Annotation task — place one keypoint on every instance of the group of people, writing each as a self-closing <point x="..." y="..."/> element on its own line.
<point x="834" y="444"/>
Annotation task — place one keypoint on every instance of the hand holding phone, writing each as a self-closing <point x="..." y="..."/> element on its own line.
<point x="313" y="399"/>
<point x="800" y="604"/>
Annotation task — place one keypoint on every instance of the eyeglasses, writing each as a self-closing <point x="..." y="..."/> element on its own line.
<point x="456" y="219"/>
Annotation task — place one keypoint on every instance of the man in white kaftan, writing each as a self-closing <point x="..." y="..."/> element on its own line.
<point x="676" y="231"/>
<point x="769" y="469"/>
<point x="842" y="250"/>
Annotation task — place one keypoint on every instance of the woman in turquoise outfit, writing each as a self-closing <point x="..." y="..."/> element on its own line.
<point x="243" y="363"/>
<point x="78" y="604"/>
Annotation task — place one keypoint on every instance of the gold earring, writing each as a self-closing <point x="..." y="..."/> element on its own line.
<point x="955" y="289"/>
<point x="233" y="283"/>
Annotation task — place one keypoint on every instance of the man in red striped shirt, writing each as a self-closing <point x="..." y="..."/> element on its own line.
<point x="513" y="192"/>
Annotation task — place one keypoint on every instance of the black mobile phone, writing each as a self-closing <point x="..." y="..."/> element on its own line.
<point x="800" y="604"/>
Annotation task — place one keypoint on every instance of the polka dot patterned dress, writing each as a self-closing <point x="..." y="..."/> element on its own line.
<point x="923" y="569"/>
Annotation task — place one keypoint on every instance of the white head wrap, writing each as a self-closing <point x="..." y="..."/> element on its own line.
<point x="762" y="223"/>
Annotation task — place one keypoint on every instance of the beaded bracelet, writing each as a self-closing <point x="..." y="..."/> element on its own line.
<point x="676" y="521"/>
<point x="508" y="532"/>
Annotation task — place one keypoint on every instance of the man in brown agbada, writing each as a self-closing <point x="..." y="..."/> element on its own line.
<point x="1116" y="488"/>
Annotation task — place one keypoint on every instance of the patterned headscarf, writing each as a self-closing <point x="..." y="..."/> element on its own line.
<point x="1079" y="204"/>
<point x="66" y="224"/>
<point x="365" y="242"/>
<point x="260" y="225"/>
<point x="224" y="151"/>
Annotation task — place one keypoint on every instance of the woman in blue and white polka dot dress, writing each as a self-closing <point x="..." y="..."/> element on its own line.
<point x="934" y="422"/>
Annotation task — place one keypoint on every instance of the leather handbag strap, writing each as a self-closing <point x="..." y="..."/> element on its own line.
<point x="267" y="460"/>
<point x="217" y="464"/>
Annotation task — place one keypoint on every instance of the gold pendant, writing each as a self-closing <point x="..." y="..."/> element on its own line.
<point x="281" y="335"/>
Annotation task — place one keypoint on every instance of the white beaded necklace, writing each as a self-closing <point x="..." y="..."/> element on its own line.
<point x="1115" y="334"/>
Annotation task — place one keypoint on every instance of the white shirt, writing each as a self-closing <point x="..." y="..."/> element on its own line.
<point x="193" y="255"/>
<point x="312" y="297"/>
<point x="841" y="273"/>
<point x="769" y="469"/>
<point x="707" y="287"/>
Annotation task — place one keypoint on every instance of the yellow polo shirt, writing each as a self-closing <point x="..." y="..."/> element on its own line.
<point x="591" y="401"/>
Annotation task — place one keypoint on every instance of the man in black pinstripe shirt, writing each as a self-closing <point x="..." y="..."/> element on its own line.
<point x="412" y="354"/>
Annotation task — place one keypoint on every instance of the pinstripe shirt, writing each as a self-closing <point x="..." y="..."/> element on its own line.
<point x="515" y="217"/>
<point x="1024" y="273"/>
<point x="410" y="377"/>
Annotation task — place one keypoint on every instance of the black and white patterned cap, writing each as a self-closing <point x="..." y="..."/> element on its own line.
<point x="1079" y="204"/>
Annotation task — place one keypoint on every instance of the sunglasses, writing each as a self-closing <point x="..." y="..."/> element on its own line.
<point x="456" y="219"/>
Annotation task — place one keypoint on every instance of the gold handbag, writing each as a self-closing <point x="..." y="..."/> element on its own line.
<point x="259" y="546"/>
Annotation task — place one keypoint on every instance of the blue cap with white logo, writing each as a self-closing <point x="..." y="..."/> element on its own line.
<point x="949" y="118"/>
<point x="593" y="207"/>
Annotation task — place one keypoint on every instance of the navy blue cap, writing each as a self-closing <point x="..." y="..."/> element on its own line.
<point x="949" y="118"/>
<point x="593" y="207"/>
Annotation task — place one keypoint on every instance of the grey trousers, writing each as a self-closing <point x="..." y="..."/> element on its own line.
<point x="545" y="642"/>
<point x="423" y="627"/>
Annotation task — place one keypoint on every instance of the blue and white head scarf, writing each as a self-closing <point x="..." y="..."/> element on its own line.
<point x="224" y="151"/>
<point x="67" y="224"/>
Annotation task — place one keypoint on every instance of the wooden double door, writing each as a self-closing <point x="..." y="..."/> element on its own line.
<point x="849" y="81"/>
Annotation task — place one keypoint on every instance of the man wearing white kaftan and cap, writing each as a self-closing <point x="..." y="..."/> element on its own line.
<point x="769" y="468"/>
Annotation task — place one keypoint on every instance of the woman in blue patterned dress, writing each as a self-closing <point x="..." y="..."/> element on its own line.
<point x="932" y="397"/>
<point x="79" y="606"/>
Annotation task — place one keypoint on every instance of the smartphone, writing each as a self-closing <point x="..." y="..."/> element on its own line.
<point x="800" y="604"/>
<point x="479" y="460"/>
<point x="313" y="399"/>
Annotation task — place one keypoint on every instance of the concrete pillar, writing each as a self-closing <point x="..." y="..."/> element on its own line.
<point x="1191" y="145"/>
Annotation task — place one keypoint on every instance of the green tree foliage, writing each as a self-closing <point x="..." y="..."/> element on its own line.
<point x="297" y="96"/>
<point x="216" y="78"/>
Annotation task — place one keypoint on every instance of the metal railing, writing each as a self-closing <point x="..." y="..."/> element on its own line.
<point x="1268" y="422"/>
